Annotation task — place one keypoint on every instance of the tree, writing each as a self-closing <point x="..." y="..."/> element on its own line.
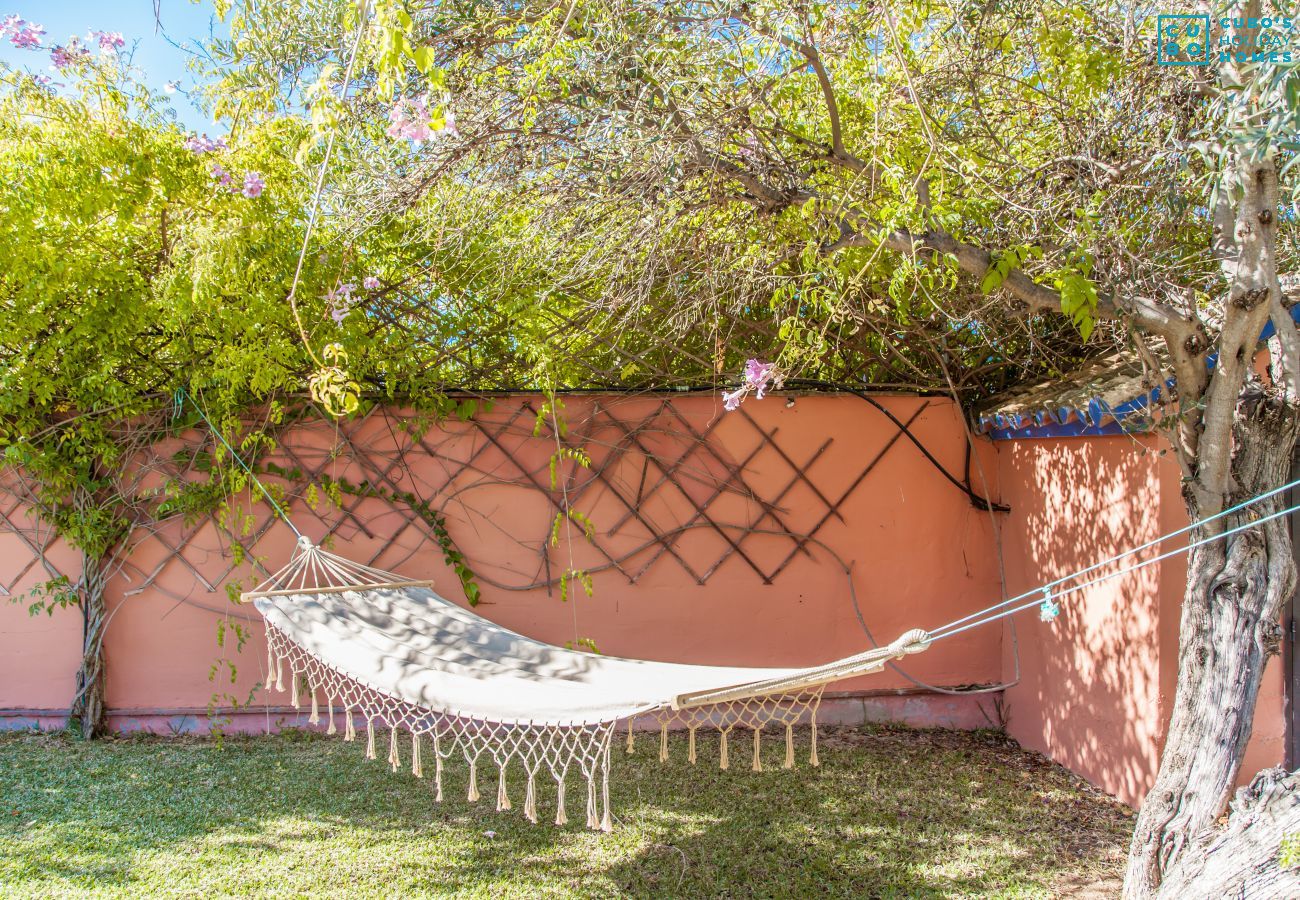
<point x="137" y="261"/>
<point x="967" y="182"/>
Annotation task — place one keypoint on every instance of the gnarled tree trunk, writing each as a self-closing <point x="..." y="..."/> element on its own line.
<point x="1242" y="858"/>
<point x="1235" y="591"/>
<point x="88" y="703"/>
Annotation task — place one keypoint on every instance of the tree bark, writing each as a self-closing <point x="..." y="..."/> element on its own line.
<point x="1241" y="859"/>
<point x="88" y="710"/>
<point x="1235" y="592"/>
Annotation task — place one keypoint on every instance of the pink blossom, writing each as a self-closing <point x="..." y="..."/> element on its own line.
<point x="253" y="185"/>
<point x="449" y="124"/>
<point x="221" y="175"/>
<point x="340" y="301"/>
<point x="198" y="144"/>
<point x="758" y="375"/>
<point x="370" y="283"/>
<point x="63" y="57"/>
<point x="410" y="120"/>
<point x="109" y="41"/>
<point x="22" y="34"/>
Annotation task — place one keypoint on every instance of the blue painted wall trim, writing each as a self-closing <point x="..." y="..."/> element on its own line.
<point x="1072" y="422"/>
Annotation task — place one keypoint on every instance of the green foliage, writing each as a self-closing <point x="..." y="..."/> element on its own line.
<point x="46" y="597"/>
<point x="1289" y="852"/>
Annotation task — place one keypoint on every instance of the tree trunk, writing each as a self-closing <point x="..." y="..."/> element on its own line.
<point x="1242" y="858"/>
<point x="88" y="705"/>
<point x="1235" y="591"/>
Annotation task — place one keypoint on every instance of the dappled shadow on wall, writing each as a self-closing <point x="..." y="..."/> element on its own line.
<point x="1090" y="693"/>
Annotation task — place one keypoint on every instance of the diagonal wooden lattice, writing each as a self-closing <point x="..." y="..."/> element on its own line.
<point x="29" y="542"/>
<point x="390" y="471"/>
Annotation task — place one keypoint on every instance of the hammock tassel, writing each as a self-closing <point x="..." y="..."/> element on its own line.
<point x="606" y="824"/>
<point x="279" y="674"/>
<point x="503" y="799"/>
<point x="757" y="765"/>
<point x="472" y="796"/>
<point x="663" y="742"/>
<point x="314" y="718"/>
<point x="332" y="729"/>
<point x="417" y="768"/>
<point x="370" y="738"/>
<point x="530" y="800"/>
<point x="593" y="820"/>
<point x="690" y="746"/>
<point x="789" y="747"/>
<point x="812" y="757"/>
<point x="437" y="770"/>
<point x="629" y="737"/>
<point x="560" y="817"/>
<point x="349" y="728"/>
<point x="393" y="759"/>
<point x="270" y="664"/>
<point x="724" y="762"/>
<point x="293" y="692"/>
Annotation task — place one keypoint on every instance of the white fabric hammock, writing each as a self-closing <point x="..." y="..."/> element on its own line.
<point x="398" y="654"/>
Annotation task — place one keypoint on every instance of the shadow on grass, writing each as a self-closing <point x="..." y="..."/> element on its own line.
<point x="889" y="813"/>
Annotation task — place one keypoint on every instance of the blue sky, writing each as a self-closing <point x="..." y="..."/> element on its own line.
<point x="160" y="52"/>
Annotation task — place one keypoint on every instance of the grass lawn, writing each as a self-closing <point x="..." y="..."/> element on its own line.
<point x="890" y="813"/>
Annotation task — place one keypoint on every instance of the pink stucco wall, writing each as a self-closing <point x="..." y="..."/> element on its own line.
<point x="1096" y="685"/>
<point x="919" y="553"/>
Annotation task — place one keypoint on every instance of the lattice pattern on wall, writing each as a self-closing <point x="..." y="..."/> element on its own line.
<point x="661" y="489"/>
<point x="32" y="550"/>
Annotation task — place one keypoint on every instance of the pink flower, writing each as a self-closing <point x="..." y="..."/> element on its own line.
<point x="370" y="283"/>
<point x="340" y="301"/>
<point x="22" y="34"/>
<point x="109" y="41"/>
<point x="253" y="185"/>
<point x="410" y="120"/>
<point x="199" y="144"/>
<point x="758" y="375"/>
<point x="221" y="175"/>
<point x="63" y="57"/>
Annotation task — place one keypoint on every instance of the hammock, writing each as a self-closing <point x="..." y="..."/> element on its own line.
<point x="399" y="657"/>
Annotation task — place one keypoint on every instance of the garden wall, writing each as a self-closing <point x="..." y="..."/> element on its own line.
<point x="1097" y="685"/>
<point x="730" y="538"/>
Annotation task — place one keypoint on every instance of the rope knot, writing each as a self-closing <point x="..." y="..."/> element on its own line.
<point x="914" y="641"/>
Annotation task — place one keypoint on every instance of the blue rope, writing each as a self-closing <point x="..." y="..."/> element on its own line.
<point x="182" y="396"/>
<point x="1048" y="603"/>
<point x="1046" y="589"/>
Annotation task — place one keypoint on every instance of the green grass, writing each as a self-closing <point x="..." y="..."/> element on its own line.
<point x="890" y="813"/>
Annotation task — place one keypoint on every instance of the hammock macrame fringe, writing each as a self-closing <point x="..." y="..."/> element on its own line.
<point x="561" y="751"/>
<point x="552" y="751"/>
